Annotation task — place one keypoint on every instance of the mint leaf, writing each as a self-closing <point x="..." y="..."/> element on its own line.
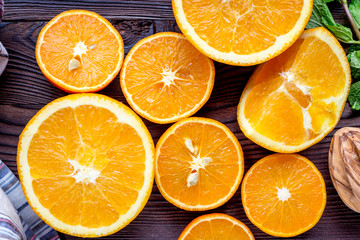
<point x="353" y="48"/>
<point x="353" y="57"/>
<point x="354" y="7"/>
<point x="326" y="17"/>
<point x="354" y="61"/>
<point x="321" y="17"/>
<point x="343" y="34"/>
<point x="354" y="96"/>
<point x="315" y="18"/>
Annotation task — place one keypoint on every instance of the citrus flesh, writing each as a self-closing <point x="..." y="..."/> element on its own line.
<point x="199" y="164"/>
<point x="294" y="100"/>
<point x="283" y="194"/>
<point x="79" y="51"/>
<point x="165" y="78"/>
<point x="216" y="226"/>
<point x="242" y="32"/>
<point x="86" y="163"/>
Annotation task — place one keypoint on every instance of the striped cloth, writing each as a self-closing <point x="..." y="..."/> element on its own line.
<point x="10" y="223"/>
<point x="33" y="226"/>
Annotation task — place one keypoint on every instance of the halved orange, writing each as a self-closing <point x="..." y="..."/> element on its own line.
<point x="79" y="51"/>
<point x="294" y="100"/>
<point x="86" y="164"/>
<point x="283" y="194"/>
<point x="246" y="32"/>
<point x="165" y="78"/>
<point x="199" y="164"/>
<point x="217" y="226"/>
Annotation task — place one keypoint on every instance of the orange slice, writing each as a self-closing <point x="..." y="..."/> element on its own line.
<point x="79" y="51"/>
<point x="86" y="164"/>
<point x="242" y="32"/>
<point x="216" y="226"/>
<point x="199" y="164"/>
<point x="165" y="78"/>
<point x="294" y="100"/>
<point x="283" y="194"/>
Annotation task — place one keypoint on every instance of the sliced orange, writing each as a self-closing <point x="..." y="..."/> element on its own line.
<point x="294" y="100"/>
<point x="165" y="78"/>
<point x="79" y="51"/>
<point x="283" y="194"/>
<point x="199" y="164"/>
<point x="242" y="32"/>
<point x="217" y="226"/>
<point x="86" y="164"/>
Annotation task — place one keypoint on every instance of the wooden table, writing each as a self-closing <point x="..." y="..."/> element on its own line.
<point x="24" y="90"/>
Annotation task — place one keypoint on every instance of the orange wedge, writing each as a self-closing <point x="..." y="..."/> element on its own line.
<point x="283" y="194"/>
<point x="86" y="164"/>
<point x="165" y="78"/>
<point x="216" y="226"/>
<point x="294" y="100"/>
<point x="199" y="164"/>
<point x="79" y="51"/>
<point x="242" y="32"/>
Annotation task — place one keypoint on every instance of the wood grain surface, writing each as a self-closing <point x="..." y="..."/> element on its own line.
<point x="24" y="90"/>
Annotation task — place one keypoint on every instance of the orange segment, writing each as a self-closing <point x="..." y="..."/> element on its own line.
<point x="242" y="32"/>
<point x="86" y="164"/>
<point x="216" y="226"/>
<point x="290" y="103"/>
<point x="165" y="78"/>
<point x="199" y="164"/>
<point x="284" y="195"/>
<point x="79" y="51"/>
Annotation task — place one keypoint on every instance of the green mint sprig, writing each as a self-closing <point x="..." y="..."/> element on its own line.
<point x="321" y="17"/>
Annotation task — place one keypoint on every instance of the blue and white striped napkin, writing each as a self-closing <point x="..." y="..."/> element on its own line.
<point x="33" y="226"/>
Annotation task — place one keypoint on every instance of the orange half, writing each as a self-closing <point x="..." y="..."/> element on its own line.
<point x="199" y="164"/>
<point x="283" y="194"/>
<point x="245" y="32"/>
<point x="79" y="51"/>
<point x="216" y="226"/>
<point x="86" y="162"/>
<point x="165" y="78"/>
<point x="294" y="100"/>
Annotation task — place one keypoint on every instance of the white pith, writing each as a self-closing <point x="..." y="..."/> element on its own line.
<point x="84" y="173"/>
<point x="80" y="49"/>
<point x="266" y="142"/>
<point x="290" y="77"/>
<point x="124" y="115"/>
<point x="168" y="77"/>
<point x="283" y="194"/>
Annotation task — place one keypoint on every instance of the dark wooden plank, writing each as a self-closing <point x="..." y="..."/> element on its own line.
<point x="24" y="90"/>
<point x="42" y="10"/>
<point x="17" y="10"/>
